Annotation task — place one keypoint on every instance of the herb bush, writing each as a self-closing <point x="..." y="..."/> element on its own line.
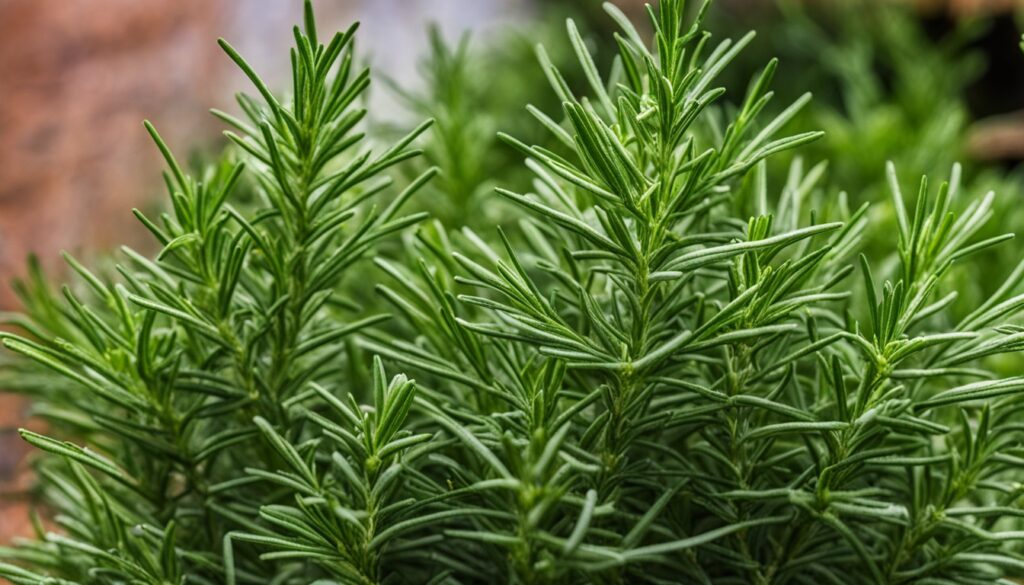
<point x="664" y="369"/>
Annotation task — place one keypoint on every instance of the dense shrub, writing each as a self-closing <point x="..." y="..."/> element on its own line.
<point x="664" y="369"/>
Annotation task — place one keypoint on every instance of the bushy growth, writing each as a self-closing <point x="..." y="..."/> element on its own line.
<point x="663" y="368"/>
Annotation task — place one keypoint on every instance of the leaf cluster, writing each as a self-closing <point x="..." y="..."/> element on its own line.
<point x="663" y="372"/>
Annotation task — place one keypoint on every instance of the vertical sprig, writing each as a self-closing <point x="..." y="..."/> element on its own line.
<point x="299" y="152"/>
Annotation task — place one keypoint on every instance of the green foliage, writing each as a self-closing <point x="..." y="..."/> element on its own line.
<point x="469" y="105"/>
<point x="896" y="88"/>
<point x="662" y="372"/>
<point x="887" y="90"/>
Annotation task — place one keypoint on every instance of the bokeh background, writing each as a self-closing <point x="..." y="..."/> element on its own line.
<point x="78" y="76"/>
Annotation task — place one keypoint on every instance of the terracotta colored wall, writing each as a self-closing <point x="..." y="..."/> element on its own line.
<point x="77" y="78"/>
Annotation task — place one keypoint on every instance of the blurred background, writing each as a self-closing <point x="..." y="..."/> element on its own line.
<point x="77" y="77"/>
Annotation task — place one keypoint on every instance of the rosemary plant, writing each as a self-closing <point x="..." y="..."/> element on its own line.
<point x="663" y="372"/>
